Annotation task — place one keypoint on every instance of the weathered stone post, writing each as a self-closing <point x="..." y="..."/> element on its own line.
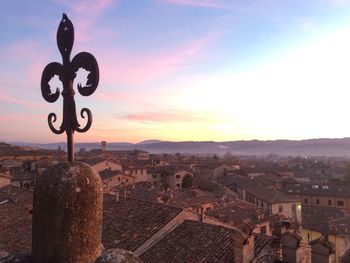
<point x="67" y="215"/>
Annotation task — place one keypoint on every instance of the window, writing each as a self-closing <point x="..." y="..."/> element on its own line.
<point x="340" y="203"/>
<point x="317" y="201"/>
<point x="305" y="200"/>
<point x="329" y="202"/>
<point x="293" y="207"/>
<point x="178" y="176"/>
<point x="280" y="208"/>
<point x="263" y="230"/>
<point x="178" y="185"/>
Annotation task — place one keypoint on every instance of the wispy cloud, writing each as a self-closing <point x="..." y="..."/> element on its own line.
<point x="91" y="8"/>
<point x="198" y="3"/>
<point x="166" y="115"/>
<point x="22" y="118"/>
<point x="138" y="69"/>
<point x="17" y="101"/>
<point x="29" y="57"/>
<point x="163" y="116"/>
<point x="338" y="2"/>
<point x="88" y="12"/>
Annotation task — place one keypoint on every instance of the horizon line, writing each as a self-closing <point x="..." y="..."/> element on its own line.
<point x="159" y="141"/>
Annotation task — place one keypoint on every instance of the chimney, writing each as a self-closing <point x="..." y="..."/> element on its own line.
<point x="103" y="146"/>
<point x="202" y="214"/>
<point x="117" y="196"/>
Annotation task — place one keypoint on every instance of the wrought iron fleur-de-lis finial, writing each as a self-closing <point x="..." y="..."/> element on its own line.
<point x="67" y="73"/>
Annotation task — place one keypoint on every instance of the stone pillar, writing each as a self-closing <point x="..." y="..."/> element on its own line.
<point x="67" y="215"/>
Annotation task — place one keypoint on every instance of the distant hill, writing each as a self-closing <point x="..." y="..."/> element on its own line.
<point x="7" y="149"/>
<point x="325" y="147"/>
<point x="148" y="142"/>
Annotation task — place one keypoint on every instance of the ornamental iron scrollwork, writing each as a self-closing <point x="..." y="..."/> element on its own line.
<point x="67" y="72"/>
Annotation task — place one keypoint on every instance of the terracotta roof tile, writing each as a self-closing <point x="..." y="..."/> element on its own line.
<point x="127" y="224"/>
<point x="326" y="220"/>
<point x="346" y="257"/>
<point x="194" y="241"/>
<point x="105" y="174"/>
<point x="238" y="212"/>
<point x="15" y="219"/>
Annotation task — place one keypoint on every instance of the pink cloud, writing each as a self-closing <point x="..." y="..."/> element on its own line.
<point x="138" y="69"/>
<point x="21" y="102"/>
<point x="32" y="55"/>
<point x="198" y="3"/>
<point x="172" y="115"/>
<point x="91" y="8"/>
<point x="337" y="2"/>
<point x="88" y="11"/>
<point x="16" y="119"/>
<point x="114" y="96"/>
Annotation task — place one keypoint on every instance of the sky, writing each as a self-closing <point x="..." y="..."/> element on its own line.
<point x="183" y="70"/>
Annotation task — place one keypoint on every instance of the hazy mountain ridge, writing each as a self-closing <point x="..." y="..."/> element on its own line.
<point x="326" y="147"/>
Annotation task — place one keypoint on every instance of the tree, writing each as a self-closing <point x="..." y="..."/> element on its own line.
<point x="347" y="172"/>
<point x="187" y="181"/>
<point x="216" y="158"/>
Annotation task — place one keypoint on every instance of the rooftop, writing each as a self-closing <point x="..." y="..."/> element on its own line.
<point x="326" y="220"/>
<point x="255" y="187"/>
<point x="317" y="189"/>
<point x="15" y="219"/>
<point x="191" y="198"/>
<point x="194" y="241"/>
<point x="237" y="213"/>
<point x="105" y="174"/>
<point x="326" y="243"/>
<point x="127" y="224"/>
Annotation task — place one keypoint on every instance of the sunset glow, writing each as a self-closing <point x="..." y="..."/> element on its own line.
<point x="184" y="69"/>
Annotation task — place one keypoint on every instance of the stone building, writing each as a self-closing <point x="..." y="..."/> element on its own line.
<point x="329" y="222"/>
<point x="325" y="195"/>
<point x="271" y="200"/>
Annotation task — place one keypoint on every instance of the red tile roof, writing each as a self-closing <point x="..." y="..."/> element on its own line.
<point x="194" y="241"/>
<point x="15" y="219"/>
<point x="127" y="224"/>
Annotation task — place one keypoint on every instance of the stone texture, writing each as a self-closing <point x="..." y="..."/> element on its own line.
<point x="21" y="258"/>
<point x="118" y="256"/>
<point x="67" y="214"/>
